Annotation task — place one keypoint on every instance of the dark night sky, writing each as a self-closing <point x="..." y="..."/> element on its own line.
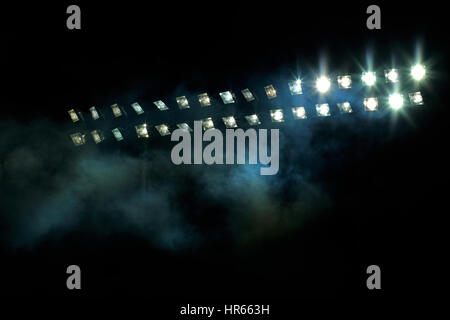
<point x="351" y="191"/>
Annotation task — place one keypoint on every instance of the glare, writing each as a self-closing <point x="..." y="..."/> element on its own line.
<point x="299" y="112"/>
<point x="163" y="129"/>
<point x="182" y="102"/>
<point x="227" y="97"/>
<point x="323" y="110"/>
<point x="295" y="87"/>
<point x="277" y="115"/>
<point x="229" y="122"/>
<point x="323" y="84"/>
<point x="396" y="101"/>
<point x="391" y="75"/>
<point x="270" y="91"/>
<point x="204" y="100"/>
<point x="252" y="120"/>
<point x="418" y="72"/>
<point x="416" y="98"/>
<point x="345" y="82"/>
<point x="141" y="130"/>
<point x="369" y="78"/>
<point x="345" y="107"/>
<point x="371" y="104"/>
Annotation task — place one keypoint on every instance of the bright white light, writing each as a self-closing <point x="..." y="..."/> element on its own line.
<point x="299" y="112"/>
<point x="345" y="82"/>
<point x="391" y="75"/>
<point x="183" y="102"/>
<point x="117" y="134"/>
<point x="97" y="136"/>
<point x="207" y="123"/>
<point x="252" y="120"/>
<point x="161" y="105"/>
<point x="141" y="130"/>
<point x="396" y="101"/>
<point x="184" y="126"/>
<point x="295" y="87"/>
<point x="248" y="95"/>
<point x="116" y="110"/>
<point x="227" y="97"/>
<point x="418" y="72"/>
<point x="323" y="84"/>
<point x="369" y="78"/>
<point x="416" y="98"/>
<point x="229" y="122"/>
<point x="270" y="91"/>
<point x="73" y="115"/>
<point x="78" y="139"/>
<point x="163" y="129"/>
<point x="371" y="104"/>
<point x="204" y="100"/>
<point x="94" y="113"/>
<point x="323" y="110"/>
<point x="137" y="108"/>
<point x="345" y="107"/>
<point x="277" y="115"/>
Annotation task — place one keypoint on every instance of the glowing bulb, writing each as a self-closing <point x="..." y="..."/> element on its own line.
<point x="323" y="84"/>
<point x="396" y="101"/>
<point x="369" y="78"/>
<point x="418" y="72"/>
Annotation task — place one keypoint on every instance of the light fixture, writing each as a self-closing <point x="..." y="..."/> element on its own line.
<point x="418" y="72"/>
<point x="141" y="130"/>
<point x="270" y="91"/>
<point x="277" y="115"/>
<point x="97" y="136"/>
<point x="161" y="105"/>
<point x="369" y="78"/>
<point x="295" y="87"/>
<point x="117" y="134"/>
<point x="396" y="101"/>
<point x="323" y="84"/>
<point x="78" y="138"/>
<point x="416" y="98"/>
<point x="345" y="107"/>
<point x="137" y="108"/>
<point x="207" y="123"/>
<point x="116" y="110"/>
<point x="370" y="104"/>
<point x="344" y="82"/>
<point x="227" y="97"/>
<point x="204" y="100"/>
<point x="391" y="75"/>
<point x="74" y="115"/>
<point x="163" y="129"/>
<point x="184" y="126"/>
<point x="323" y="110"/>
<point x="183" y="102"/>
<point x="94" y="113"/>
<point x="248" y="95"/>
<point x="252" y="120"/>
<point x="299" y="112"/>
<point x="230" y="122"/>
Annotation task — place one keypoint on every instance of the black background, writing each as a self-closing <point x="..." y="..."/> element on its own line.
<point x="390" y="216"/>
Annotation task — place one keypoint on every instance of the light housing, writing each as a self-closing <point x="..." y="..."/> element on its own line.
<point x="248" y="95"/>
<point x="230" y="122"/>
<point x="184" y="126"/>
<point x="369" y="78"/>
<point x="94" y="113"/>
<point x="161" y="105"/>
<point x="78" y="138"/>
<point x="163" y="129"/>
<point x="204" y="100"/>
<point x="370" y="104"/>
<point x="391" y="75"/>
<point x="323" y="110"/>
<point x="277" y="115"/>
<point x="117" y="134"/>
<point x="227" y="97"/>
<point x="418" y="72"/>
<point x="137" y="108"/>
<point x="344" y="82"/>
<point x="345" y="107"/>
<point x="252" y="120"/>
<point x="270" y="91"/>
<point x="183" y="102"/>
<point x="117" y="112"/>
<point x="323" y="84"/>
<point x="97" y="136"/>
<point x="141" y="130"/>
<point x="207" y="123"/>
<point x="299" y="112"/>
<point x="416" y="98"/>
<point x="396" y="101"/>
<point x="74" y="115"/>
<point x="295" y="87"/>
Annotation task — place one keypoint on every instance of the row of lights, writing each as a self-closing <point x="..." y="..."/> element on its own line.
<point x="396" y="101"/>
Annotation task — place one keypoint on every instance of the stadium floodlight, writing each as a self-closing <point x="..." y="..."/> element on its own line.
<point x="248" y="95"/>
<point x="74" y="115"/>
<point x="161" y="105"/>
<point x="207" y="123"/>
<point x="295" y="87"/>
<point x="227" y="97"/>
<point x="184" y="126"/>
<point x="78" y="138"/>
<point x="277" y="115"/>
<point x="344" y="82"/>
<point x="137" y="108"/>
<point x="252" y="120"/>
<point x="345" y="107"/>
<point x="97" y="136"/>
<point x="418" y="72"/>
<point x="370" y="104"/>
<point x="204" y="100"/>
<point x="141" y="130"/>
<point x="270" y="91"/>
<point x="163" y="129"/>
<point x="183" y="102"/>
<point x="117" y="134"/>
<point x="391" y="75"/>
<point x="323" y="84"/>
<point x="94" y="113"/>
<point x="299" y="112"/>
<point x="230" y="122"/>
<point x="369" y="78"/>
<point x="396" y="101"/>
<point x="323" y="110"/>
<point x="416" y="98"/>
<point x="116" y="110"/>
